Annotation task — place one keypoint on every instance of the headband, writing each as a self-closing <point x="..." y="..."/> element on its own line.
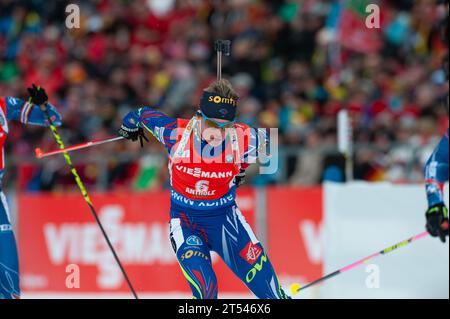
<point x="218" y="107"/>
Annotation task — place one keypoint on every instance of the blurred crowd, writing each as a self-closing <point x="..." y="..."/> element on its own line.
<point x="292" y="64"/>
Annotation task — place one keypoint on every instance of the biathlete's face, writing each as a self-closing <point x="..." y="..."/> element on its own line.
<point x="213" y="130"/>
<point x="216" y="123"/>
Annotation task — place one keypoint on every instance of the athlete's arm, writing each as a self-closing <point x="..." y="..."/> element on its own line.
<point x="161" y="126"/>
<point x="28" y="113"/>
<point x="436" y="174"/>
<point x="258" y="145"/>
<point x="254" y="142"/>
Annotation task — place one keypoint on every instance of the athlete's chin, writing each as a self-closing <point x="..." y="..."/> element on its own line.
<point x="214" y="142"/>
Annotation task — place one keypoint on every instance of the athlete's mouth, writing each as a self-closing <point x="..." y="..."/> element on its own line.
<point x="214" y="139"/>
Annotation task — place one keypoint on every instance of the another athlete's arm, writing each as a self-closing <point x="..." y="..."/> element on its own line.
<point x="29" y="113"/>
<point x="436" y="174"/>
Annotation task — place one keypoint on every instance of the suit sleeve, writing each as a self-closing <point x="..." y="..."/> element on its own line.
<point x="258" y="145"/>
<point x="28" y="113"/>
<point x="160" y="125"/>
<point x="436" y="172"/>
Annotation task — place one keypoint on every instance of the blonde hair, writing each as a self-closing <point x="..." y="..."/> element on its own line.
<point x="223" y="88"/>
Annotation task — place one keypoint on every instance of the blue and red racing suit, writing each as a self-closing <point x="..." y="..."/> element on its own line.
<point x="204" y="215"/>
<point x="436" y="172"/>
<point x="18" y="110"/>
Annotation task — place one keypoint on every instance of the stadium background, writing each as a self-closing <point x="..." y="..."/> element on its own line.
<point x="295" y="64"/>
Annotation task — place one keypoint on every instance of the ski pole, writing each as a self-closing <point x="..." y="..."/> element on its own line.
<point x="86" y="196"/>
<point x="40" y="154"/>
<point x="295" y="287"/>
<point x="221" y="47"/>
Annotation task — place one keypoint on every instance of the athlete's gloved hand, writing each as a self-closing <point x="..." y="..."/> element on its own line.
<point x="38" y="95"/>
<point x="437" y="221"/>
<point x="131" y="130"/>
<point x="239" y="179"/>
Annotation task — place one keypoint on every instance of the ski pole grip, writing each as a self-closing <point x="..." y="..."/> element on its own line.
<point x="223" y="46"/>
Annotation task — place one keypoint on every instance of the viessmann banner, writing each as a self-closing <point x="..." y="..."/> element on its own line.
<point x="57" y="232"/>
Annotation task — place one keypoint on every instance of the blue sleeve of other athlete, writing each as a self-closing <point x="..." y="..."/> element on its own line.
<point x="436" y="172"/>
<point x="28" y="113"/>
<point x="160" y="125"/>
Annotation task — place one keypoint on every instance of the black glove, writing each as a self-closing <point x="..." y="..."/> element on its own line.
<point x="133" y="134"/>
<point x="37" y="95"/>
<point x="437" y="221"/>
<point x="239" y="179"/>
